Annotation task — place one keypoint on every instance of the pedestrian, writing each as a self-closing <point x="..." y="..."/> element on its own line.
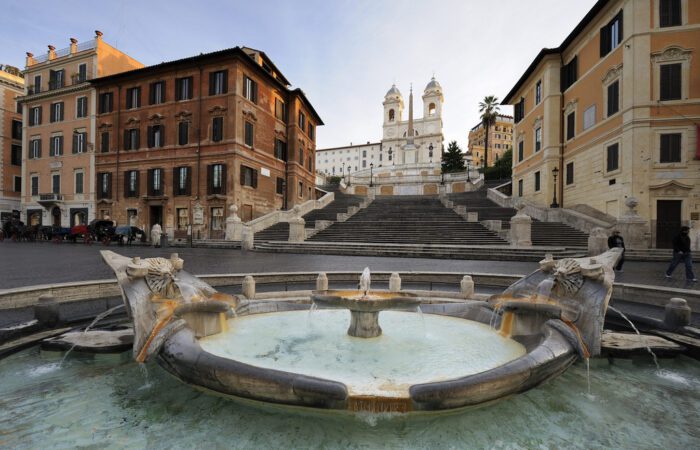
<point x="156" y="233"/>
<point x="681" y="252"/>
<point x="615" y="241"/>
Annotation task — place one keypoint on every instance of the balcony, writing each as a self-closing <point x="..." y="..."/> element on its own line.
<point x="50" y="199"/>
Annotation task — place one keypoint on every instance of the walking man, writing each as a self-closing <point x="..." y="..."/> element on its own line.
<point x="681" y="252"/>
<point x="615" y="240"/>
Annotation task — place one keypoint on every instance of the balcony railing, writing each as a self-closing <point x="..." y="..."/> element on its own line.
<point x="51" y="197"/>
<point x="75" y="80"/>
<point x="87" y="45"/>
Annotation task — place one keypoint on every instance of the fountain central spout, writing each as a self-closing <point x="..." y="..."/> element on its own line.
<point x="365" y="281"/>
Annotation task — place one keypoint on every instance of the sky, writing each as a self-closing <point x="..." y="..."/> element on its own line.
<point x="344" y="54"/>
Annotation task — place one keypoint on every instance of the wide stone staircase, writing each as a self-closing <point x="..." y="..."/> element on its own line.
<point x="340" y="204"/>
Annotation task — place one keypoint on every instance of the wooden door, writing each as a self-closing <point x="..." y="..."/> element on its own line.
<point x="668" y="222"/>
<point x="247" y="213"/>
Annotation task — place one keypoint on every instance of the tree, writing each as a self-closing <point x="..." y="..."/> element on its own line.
<point x="453" y="159"/>
<point x="489" y="112"/>
<point x="501" y="169"/>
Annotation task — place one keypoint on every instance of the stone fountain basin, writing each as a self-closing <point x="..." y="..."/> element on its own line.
<point x="355" y="300"/>
<point x="548" y="353"/>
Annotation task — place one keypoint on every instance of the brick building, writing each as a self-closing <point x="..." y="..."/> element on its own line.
<point x="59" y="130"/>
<point x="11" y="88"/>
<point x="182" y="141"/>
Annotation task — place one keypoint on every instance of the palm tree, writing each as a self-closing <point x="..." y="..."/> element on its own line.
<point x="489" y="112"/>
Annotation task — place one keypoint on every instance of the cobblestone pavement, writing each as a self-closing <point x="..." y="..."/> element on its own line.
<point x="26" y="264"/>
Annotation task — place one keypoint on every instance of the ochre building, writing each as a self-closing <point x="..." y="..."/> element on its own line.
<point x="615" y="110"/>
<point x="500" y="140"/>
<point x="11" y="88"/>
<point x="180" y="142"/>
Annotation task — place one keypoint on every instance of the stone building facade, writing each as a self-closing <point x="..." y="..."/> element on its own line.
<point x="11" y="88"/>
<point x="500" y="140"/>
<point x="615" y="110"/>
<point x="337" y="161"/>
<point x="59" y="131"/>
<point x="182" y="141"/>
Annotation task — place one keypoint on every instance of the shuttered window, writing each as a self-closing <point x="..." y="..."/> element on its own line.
<point x="670" y="150"/>
<point x="250" y="89"/>
<point x="613" y="98"/>
<point x="217" y="129"/>
<point x="155" y="182"/>
<point x="35" y="116"/>
<point x="79" y="142"/>
<point x="35" y="149"/>
<point x="183" y="133"/>
<point x="56" y="146"/>
<point x="611" y="35"/>
<point x="81" y="107"/>
<point x="132" y="139"/>
<point x="131" y="183"/>
<point x="156" y="136"/>
<point x="670" y="13"/>
<point x="571" y="125"/>
<point x="183" y="88"/>
<point x="249" y="177"/>
<point x="56" y="112"/>
<point x="280" y="186"/>
<point x="156" y="93"/>
<point x="216" y="179"/>
<point x="218" y="82"/>
<point x="569" y="74"/>
<point x="182" y="181"/>
<point x="104" y="189"/>
<point x="537" y="181"/>
<point x="106" y="102"/>
<point x="570" y="173"/>
<point x="612" y="157"/>
<point x="249" y="133"/>
<point x="280" y="150"/>
<point x="104" y="142"/>
<point x="670" y="79"/>
<point x="133" y="98"/>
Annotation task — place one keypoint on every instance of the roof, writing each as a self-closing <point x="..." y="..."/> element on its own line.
<point x="308" y="104"/>
<point x="480" y="124"/>
<point x="587" y="19"/>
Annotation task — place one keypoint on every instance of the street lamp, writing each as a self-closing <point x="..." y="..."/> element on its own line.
<point x="469" y="180"/>
<point x="343" y="171"/>
<point x="482" y="161"/>
<point x="554" y="204"/>
<point x="348" y="175"/>
<point x="371" y="166"/>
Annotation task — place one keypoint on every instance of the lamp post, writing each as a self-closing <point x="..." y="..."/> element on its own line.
<point x="554" y="204"/>
<point x="348" y="175"/>
<point x="482" y="161"/>
<point x="343" y="171"/>
<point x="371" y="166"/>
<point x="469" y="180"/>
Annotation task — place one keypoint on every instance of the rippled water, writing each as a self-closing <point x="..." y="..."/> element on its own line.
<point x="107" y="402"/>
<point x="413" y="349"/>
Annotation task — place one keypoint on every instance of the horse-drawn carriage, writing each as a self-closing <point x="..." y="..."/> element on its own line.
<point x="97" y="230"/>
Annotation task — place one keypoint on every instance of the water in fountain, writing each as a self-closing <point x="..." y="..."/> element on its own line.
<point x="422" y="319"/>
<point x="99" y="317"/>
<point x="544" y="289"/>
<point x="651" y="352"/>
<point x="365" y="281"/>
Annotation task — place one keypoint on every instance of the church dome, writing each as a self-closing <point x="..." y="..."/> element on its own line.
<point x="433" y="85"/>
<point x="394" y="91"/>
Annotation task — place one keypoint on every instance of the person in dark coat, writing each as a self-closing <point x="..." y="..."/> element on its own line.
<point x="615" y="240"/>
<point x="681" y="252"/>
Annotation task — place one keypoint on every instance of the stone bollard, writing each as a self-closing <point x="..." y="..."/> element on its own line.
<point x="233" y="225"/>
<point x="46" y="311"/>
<point x="394" y="282"/>
<point x="466" y="286"/>
<point x="676" y="313"/>
<point x="597" y="241"/>
<point x="322" y="282"/>
<point x="472" y="216"/>
<point x="249" y="287"/>
<point x="297" y="232"/>
<point x="521" y="230"/>
<point x="247" y="238"/>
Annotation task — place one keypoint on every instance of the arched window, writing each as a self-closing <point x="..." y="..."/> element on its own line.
<point x="391" y="115"/>
<point x="431" y="109"/>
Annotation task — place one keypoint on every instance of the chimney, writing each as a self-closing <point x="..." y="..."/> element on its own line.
<point x="30" y="59"/>
<point x="52" y="52"/>
<point x="73" y="45"/>
<point x="98" y="35"/>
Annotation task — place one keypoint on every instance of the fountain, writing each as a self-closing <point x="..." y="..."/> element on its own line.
<point x="271" y="352"/>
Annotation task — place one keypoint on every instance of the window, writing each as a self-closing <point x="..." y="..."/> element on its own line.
<point x="104" y="189"/>
<point x="391" y="115"/>
<point x="670" y="148"/>
<point x="35" y="149"/>
<point x="611" y="35"/>
<point x="217" y="218"/>
<point x="16" y="155"/>
<point x="301" y="156"/>
<point x="18" y="106"/>
<point x="79" y="142"/>
<point x="132" y="139"/>
<point x="250" y="89"/>
<point x="670" y="13"/>
<point x="612" y="157"/>
<point x="156" y="94"/>
<point x="521" y="150"/>
<point x="302" y="120"/>
<point x="249" y="177"/>
<point x="57" y="79"/>
<point x="520" y="188"/>
<point x="670" y="80"/>
<point x="218" y="82"/>
<point x="589" y="117"/>
<point x="570" y="173"/>
<point x="104" y="142"/>
<point x="133" y="97"/>
<point x="537" y="181"/>
<point x="364" y="153"/>
<point x="613" y="97"/>
<point x="156" y="136"/>
<point x="16" y="129"/>
<point x="37" y="84"/>
<point x="300" y="190"/>
<point x="183" y="88"/>
<point x="280" y="110"/>
<point x="538" y="139"/>
<point x="81" y="107"/>
<point x="571" y="125"/>
<point x="280" y="186"/>
<point x="431" y="109"/>
<point x="311" y="131"/>
<point x="538" y="92"/>
<point x="183" y="133"/>
<point x="183" y="218"/>
<point x="217" y="129"/>
<point x="79" y="182"/>
<point x="310" y="164"/>
<point x="56" y="146"/>
<point x="131" y="183"/>
<point x="181" y="181"/>
<point x="18" y="184"/>
<point x="155" y="182"/>
<point x="216" y="179"/>
<point x="280" y="150"/>
<point x="519" y="110"/>
<point x="249" y="133"/>
<point x="35" y="185"/>
<point x="106" y="102"/>
<point x="364" y="163"/>
<point x="82" y="73"/>
<point x="55" y="183"/>
<point x="569" y="74"/>
<point x="35" y="116"/>
<point x="56" y="112"/>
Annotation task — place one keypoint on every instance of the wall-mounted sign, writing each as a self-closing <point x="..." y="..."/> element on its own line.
<point x="264" y="172"/>
<point x="198" y="214"/>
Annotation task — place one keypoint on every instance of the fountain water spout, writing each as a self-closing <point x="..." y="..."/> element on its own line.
<point x="365" y="281"/>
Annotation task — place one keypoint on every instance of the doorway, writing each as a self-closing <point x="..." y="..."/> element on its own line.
<point x="668" y="222"/>
<point x="156" y="215"/>
<point x="78" y="216"/>
<point x="56" y="216"/>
